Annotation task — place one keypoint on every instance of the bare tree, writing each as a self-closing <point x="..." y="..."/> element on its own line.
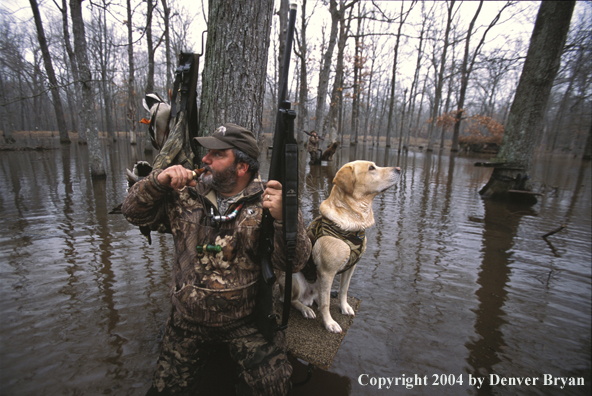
<point x="402" y="18"/>
<point x="57" y="101"/>
<point x="325" y="72"/>
<point x="167" y="41"/>
<point x="97" y="163"/>
<point x="468" y="64"/>
<point x="131" y="91"/>
<point x="301" y="50"/>
<point x="5" y="121"/>
<point x="73" y="68"/>
<point x="539" y="71"/>
<point x="439" y="75"/>
<point x="330" y="126"/>
<point x="418" y="65"/>
<point x="358" y="66"/>
<point x="102" y="50"/>
<point x="569" y="123"/>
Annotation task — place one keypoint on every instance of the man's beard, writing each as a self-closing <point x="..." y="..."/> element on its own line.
<point x="223" y="181"/>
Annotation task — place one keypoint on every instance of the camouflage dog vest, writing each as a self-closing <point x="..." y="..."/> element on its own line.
<point x="321" y="226"/>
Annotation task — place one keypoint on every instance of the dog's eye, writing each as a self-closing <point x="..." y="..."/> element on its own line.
<point x="372" y="168"/>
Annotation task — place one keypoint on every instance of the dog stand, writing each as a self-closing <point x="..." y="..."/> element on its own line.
<point x="308" y="340"/>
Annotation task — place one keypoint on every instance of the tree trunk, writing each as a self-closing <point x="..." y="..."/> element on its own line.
<point x="302" y="53"/>
<point x="5" y="121"/>
<point x="97" y="163"/>
<point x="235" y="64"/>
<point x="439" y="84"/>
<point x="403" y="106"/>
<point x="391" y="123"/>
<point x="588" y="148"/>
<point x="167" y="43"/>
<point x="131" y="91"/>
<point x="369" y="95"/>
<point x="283" y="13"/>
<point x="150" y="76"/>
<point x="330" y="125"/>
<point x="326" y="67"/>
<point x="75" y="74"/>
<point x="415" y="84"/>
<point x="539" y="71"/>
<point x="467" y="69"/>
<point x="563" y="104"/>
<point x="150" y="48"/>
<point x="355" y="114"/>
<point x="55" y="94"/>
<point x="105" y="57"/>
<point x="71" y="56"/>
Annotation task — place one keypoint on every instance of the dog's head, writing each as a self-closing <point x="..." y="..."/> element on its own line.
<point x="365" y="178"/>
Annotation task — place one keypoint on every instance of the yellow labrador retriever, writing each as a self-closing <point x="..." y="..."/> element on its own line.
<point x="338" y="238"/>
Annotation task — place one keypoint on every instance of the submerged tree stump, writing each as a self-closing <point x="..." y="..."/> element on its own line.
<point x="508" y="182"/>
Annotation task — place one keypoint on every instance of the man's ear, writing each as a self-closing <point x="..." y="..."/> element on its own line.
<point x="241" y="169"/>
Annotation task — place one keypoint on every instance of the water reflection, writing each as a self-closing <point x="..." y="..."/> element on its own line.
<point x="450" y="283"/>
<point x="500" y="226"/>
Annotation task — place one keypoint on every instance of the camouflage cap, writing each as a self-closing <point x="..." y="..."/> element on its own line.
<point x="230" y="136"/>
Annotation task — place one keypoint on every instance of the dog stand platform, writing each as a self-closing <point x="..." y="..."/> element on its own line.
<point x="308" y="340"/>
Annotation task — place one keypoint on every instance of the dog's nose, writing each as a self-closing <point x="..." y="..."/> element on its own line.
<point x="398" y="169"/>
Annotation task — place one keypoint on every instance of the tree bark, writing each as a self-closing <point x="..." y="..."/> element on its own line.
<point x="97" y="163"/>
<point x="540" y="68"/>
<point x="55" y="94"/>
<point x="235" y="64"/>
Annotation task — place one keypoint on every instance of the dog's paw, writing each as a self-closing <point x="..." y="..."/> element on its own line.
<point x="332" y="326"/>
<point x="346" y="309"/>
<point x="308" y="313"/>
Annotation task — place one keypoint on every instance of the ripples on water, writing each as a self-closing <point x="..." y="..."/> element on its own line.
<point x="450" y="283"/>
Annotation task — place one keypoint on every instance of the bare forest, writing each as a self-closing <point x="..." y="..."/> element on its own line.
<point x="423" y="74"/>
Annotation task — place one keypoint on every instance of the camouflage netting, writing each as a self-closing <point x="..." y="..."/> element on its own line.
<point x="308" y="339"/>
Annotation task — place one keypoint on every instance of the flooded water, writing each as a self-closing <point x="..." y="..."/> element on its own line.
<point x="455" y="289"/>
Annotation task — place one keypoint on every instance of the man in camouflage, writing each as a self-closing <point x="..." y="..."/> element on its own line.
<point x="313" y="148"/>
<point x="215" y="222"/>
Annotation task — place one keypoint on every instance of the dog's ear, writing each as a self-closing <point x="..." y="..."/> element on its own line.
<point x="345" y="179"/>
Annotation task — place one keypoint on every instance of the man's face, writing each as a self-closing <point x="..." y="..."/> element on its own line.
<point x="220" y="172"/>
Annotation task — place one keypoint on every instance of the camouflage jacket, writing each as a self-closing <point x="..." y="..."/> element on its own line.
<point x="313" y="143"/>
<point x="209" y="287"/>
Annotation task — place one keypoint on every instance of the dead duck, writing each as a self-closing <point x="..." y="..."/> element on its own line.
<point x="158" y="124"/>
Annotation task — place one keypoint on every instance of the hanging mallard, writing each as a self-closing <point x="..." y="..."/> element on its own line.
<point x="158" y="124"/>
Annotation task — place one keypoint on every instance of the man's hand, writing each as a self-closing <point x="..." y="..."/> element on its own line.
<point x="272" y="199"/>
<point x="176" y="177"/>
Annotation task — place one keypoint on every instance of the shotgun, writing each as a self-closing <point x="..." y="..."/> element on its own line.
<point x="283" y="168"/>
